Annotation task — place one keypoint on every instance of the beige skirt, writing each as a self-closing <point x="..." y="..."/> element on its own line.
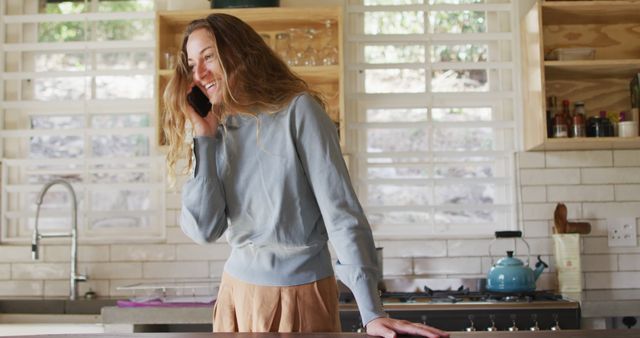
<point x="244" y="307"/>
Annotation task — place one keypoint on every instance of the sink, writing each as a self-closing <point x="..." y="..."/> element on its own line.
<point x="55" y="306"/>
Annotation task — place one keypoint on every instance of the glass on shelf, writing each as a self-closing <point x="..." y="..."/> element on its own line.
<point x="284" y="50"/>
<point x="297" y="42"/>
<point x="310" y="54"/>
<point x="168" y="59"/>
<point x="329" y="50"/>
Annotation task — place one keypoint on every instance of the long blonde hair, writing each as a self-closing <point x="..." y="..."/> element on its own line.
<point x="255" y="80"/>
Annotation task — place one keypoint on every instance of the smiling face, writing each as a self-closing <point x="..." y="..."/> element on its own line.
<point x="204" y="64"/>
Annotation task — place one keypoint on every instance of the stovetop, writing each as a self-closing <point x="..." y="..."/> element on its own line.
<point x="464" y="296"/>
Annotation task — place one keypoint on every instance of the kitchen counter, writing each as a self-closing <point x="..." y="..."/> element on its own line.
<point x="539" y="334"/>
<point x="595" y="305"/>
<point x="610" y="303"/>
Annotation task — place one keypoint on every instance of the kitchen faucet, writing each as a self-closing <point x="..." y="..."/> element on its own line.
<point x="74" y="278"/>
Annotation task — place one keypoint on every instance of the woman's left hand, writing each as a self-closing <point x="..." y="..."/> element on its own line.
<point x="390" y="328"/>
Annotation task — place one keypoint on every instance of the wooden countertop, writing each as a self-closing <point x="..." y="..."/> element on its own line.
<point x="523" y="334"/>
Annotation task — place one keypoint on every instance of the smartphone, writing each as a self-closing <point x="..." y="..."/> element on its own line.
<point x="199" y="101"/>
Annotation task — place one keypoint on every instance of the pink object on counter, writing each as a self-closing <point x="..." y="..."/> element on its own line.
<point x="160" y="303"/>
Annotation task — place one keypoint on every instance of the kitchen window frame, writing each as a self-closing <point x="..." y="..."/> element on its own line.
<point x="355" y="96"/>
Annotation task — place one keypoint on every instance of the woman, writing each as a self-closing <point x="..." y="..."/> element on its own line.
<point x="269" y="172"/>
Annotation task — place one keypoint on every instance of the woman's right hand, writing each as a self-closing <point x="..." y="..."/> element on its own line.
<point x="203" y="126"/>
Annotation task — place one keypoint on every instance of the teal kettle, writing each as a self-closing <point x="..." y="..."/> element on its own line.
<point x="510" y="274"/>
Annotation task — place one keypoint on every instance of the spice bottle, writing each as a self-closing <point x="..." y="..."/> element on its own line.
<point x="552" y="110"/>
<point x="578" y="126"/>
<point x="566" y="114"/>
<point x="560" y="128"/>
<point x="603" y="126"/>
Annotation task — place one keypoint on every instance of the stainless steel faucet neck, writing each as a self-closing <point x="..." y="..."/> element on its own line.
<point x="74" y="277"/>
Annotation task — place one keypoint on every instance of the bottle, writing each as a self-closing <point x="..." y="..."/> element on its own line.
<point x="560" y="128"/>
<point x="603" y="126"/>
<point x="566" y="114"/>
<point x="579" y="128"/>
<point x="552" y="110"/>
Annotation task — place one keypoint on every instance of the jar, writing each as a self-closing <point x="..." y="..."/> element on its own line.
<point x="560" y="128"/>
<point x="628" y="129"/>
<point x="578" y="125"/>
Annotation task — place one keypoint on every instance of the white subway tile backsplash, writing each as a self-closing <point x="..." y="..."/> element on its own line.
<point x="86" y="253"/>
<point x="610" y="175"/>
<point x="5" y="271"/>
<point x="534" y="194"/>
<point x="397" y="267"/>
<point x="172" y="217"/>
<point x="111" y="270"/>
<point x="593" y="263"/>
<point x="424" y="248"/>
<point x="627" y="192"/>
<point x="599" y="245"/>
<point x="174" y="201"/>
<point x="468" y="247"/>
<point x="612" y="280"/>
<point x="629" y="262"/>
<point x="544" y="211"/>
<point x="56" y="288"/>
<point x="20" y="288"/>
<point x="175" y="270"/>
<point x="549" y="176"/>
<point x="626" y="158"/>
<point x="177" y="236"/>
<point x="40" y="271"/>
<point x="538" y="246"/>
<point x="603" y="210"/>
<point x="580" y="193"/>
<point x="487" y="263"/>
<point x="581" y="159"/>
<point x="434" y="266"/>
<point x="196" y="252"/>
<point x="143" y="252"/>
<point x="15" y="253"/>
<point x="537" y="229"/>
<point x="216" y="268"/>
<point x="547" y="281"/>
<point x="531" y="159"/>
<point x="598" y="227"/>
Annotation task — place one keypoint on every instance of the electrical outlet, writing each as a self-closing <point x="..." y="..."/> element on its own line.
<point x="622" y="232"/>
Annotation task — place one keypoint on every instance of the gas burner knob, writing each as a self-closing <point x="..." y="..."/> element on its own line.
<point x="472" y="327"/>
<point x="513" y="327"/>
<point x="493" y="324"/>
<point x="556" y="326"/>
<point x="535" y="327"/>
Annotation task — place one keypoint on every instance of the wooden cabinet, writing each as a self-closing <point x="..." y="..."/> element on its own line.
<point x="612" y="29"/>
<point x="328" y="79"/>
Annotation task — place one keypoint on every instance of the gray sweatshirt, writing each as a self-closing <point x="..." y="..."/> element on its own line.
<point x="278" y="185"/>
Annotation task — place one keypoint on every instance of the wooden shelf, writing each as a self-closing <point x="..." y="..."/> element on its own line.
<point x="269" y="21"/>
<point x="571" y="70"/>
<point x="318" y="74"/>
<point x="590" y="12"/>
<point x="610" y="28"/>
<point x="589" y="143"/>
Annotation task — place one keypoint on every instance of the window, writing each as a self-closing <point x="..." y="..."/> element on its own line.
<point x="430" y="109"/>
<point x="77" y="104"/>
